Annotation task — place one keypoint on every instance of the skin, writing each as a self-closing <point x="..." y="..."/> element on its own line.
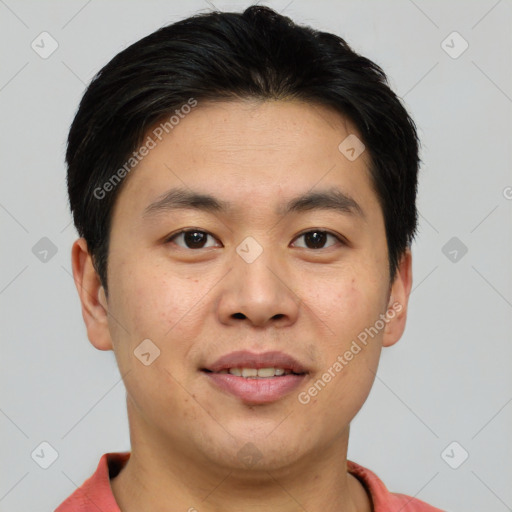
<point x="198" y="304"/>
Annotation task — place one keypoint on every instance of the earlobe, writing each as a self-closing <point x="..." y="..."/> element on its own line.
<point x="92" y="296"/>
<point x="398" y="301"/>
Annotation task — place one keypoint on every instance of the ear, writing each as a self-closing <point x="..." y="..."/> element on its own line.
<point x="92" y="296"/>
<point x="398" y="301"/>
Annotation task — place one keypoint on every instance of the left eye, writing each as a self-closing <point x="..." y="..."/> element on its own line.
<point x="317" y="238"/>
<point x="196" y="239"/>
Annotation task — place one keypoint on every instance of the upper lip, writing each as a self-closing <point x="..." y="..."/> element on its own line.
<point x="246" y="359"/>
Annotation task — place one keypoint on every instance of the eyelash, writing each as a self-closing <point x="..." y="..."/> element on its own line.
<point x="188" y="230"/>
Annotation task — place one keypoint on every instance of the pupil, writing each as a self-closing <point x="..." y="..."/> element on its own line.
<point x="317" y="237"/>
<point x="193" y="238"/>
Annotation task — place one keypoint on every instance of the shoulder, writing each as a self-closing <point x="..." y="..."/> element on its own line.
<point x="409" y="504"/>
<point x="382" y="499"/>
<point x="96" y="493"/>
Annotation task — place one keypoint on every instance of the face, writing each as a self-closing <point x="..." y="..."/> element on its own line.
<point x="258" y="272"/>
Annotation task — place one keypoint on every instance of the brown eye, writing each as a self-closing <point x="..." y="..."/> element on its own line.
<point x="316" y="239"/>
<point x="191" y="238"/>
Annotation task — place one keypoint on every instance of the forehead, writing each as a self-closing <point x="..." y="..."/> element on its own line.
<point x="250" y="152"/>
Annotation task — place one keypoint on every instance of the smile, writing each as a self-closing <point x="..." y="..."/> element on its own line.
<point x="257" y="373"/>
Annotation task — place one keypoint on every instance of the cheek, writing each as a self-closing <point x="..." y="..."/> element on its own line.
<point x="350" y="305"/>
<point x="150" y="304"/>
<point x="168" y="307"/>
<point x="352" y="355"/>
<point x="350" y="361"/>
<point x="151" y="300"/>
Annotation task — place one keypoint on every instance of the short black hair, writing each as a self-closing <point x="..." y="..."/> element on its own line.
<point x="257" y="54"/>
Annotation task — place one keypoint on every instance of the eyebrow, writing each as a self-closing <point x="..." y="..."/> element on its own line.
<point x="182" y="199"/>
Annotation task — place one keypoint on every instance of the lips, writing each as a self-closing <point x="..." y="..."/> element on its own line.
<point x="251" y="389"/>
<point x="246" y="359"/>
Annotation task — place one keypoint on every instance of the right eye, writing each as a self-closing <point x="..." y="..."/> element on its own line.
<point x="192" y="238"/>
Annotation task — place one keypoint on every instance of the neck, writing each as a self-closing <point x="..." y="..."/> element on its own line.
<point x="159" y="474"/>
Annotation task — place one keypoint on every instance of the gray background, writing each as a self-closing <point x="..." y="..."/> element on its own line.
<point x="448" y="379"/>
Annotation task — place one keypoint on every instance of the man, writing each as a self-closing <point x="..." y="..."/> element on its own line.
<point x="244" y="189"/>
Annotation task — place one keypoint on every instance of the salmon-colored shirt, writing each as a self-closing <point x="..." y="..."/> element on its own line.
<point x="96" y="494"/>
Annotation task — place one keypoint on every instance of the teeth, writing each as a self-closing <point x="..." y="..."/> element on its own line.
<point x="255" y="373"/>
<point x="265" y="372"/>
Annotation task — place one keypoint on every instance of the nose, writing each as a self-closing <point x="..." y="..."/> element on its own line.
<point x="259" y="293"/>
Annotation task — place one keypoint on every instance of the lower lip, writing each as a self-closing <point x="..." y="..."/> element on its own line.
<point x="256" y="391"/>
